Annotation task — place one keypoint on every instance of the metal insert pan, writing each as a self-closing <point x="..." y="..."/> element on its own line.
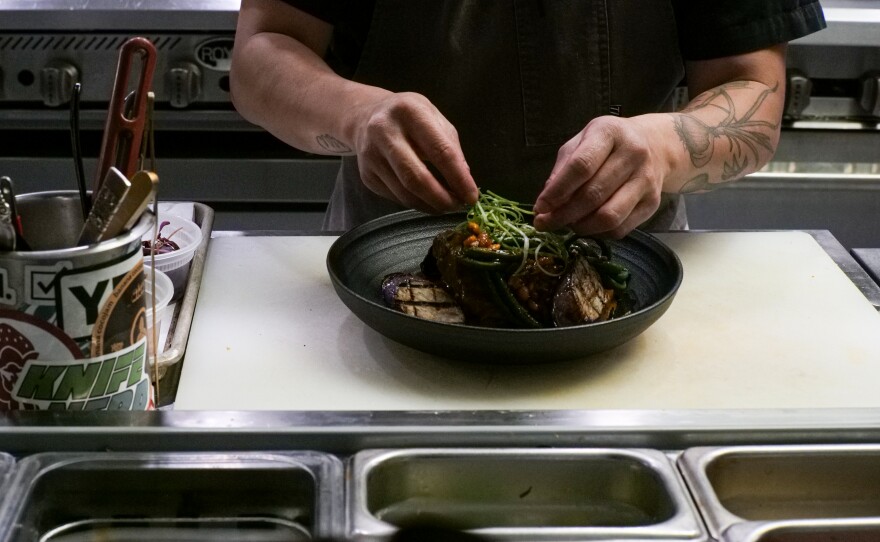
<point x="831" y="530"/>
<point x="795" y="482"/>
<point x="521" y="494"/>
<point x="58" y="495"/>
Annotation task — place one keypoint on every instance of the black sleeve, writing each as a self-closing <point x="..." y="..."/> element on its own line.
<point x="326" y="10"/>
<point x="717" y="28"/>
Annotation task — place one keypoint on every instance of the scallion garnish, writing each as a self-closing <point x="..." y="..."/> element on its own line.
<point x="508" y="224"/>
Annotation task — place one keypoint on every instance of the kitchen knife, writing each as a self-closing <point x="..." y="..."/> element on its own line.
<point x="105" y="206"/>
<point x="132" y="205"/>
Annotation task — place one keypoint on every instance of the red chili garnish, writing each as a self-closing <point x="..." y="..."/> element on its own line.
<point x="161" y="245"/>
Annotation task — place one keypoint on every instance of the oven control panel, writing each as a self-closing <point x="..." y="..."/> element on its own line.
<point x="192" y="70"/>
<point x="833" y="75"/>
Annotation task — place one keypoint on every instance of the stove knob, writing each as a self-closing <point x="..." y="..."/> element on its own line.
<point x="56" y="83"/>
<point x="869" y="96"/>
<point x="797" y="93"/>
<point x="184" y="84"/>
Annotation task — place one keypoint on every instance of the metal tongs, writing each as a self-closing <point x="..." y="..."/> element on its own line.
<point x="124" y="127"/>
<point x="10" y="222"/>
<point x="7" y="220"/>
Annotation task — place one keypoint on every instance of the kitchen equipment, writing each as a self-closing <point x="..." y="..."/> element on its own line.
<point x="176" y="263"/>
<point x="817" y="530"/>
<point x="163" y="291"/>
<point x="775" y="483"/>
<point x="124" y="128"/>
<point x="8" y="218"/>
<point x="206" y="151"/>
<point x="825" y="170"/>
<point x="238" y="496"/>
<point x="7" y="462"/>
<point x="170" y="358"/>
<point x="8" y="191"/>
<point x="521" y="494"/>
<point x="106" y="206"/>
<point x="142" y="188"/>
<point x="76" y="146"/>
<point x="361" y="258"/>
<point x="74" y="308"/>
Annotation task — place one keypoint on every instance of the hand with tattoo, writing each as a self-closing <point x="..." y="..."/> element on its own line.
<point x="749" y="140"/>
<point x="609" y="178"/>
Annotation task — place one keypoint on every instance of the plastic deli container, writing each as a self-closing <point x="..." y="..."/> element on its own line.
<point x="187" y="234"/>
<point x="164" y="293"/>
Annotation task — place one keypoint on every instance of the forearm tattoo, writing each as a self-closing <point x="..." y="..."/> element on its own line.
<point x="745" y="136"/>
<point x="330" y="143"/>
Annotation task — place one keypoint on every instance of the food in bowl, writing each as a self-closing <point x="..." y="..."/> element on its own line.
<point x="495" y="269"/>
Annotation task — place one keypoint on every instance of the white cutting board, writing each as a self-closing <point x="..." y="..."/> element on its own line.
<point x="762" y="320"/>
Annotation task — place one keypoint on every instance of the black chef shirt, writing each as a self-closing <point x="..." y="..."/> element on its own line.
<point x="707" y="28"/>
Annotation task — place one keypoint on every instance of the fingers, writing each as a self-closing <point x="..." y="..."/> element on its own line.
<point x="440" y="146"/>
<point x="622" y="213"/>
<point x="578" y="161"/>
<point x="606" y="182"/>
<point x="404" y="133"/>
<point x="589" y="195"/>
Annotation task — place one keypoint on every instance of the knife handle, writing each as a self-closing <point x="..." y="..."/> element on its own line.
<point x="105" y="206"/>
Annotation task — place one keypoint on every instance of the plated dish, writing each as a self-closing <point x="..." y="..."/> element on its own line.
<point x="363" y="257"/>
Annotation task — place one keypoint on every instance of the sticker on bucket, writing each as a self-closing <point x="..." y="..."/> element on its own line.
<point x="81" y="293"/>
<point x="122" y="320"/>
<point x="99" y="312"/>
<point x="116" y="381"/>
<point x="19" y="333"/>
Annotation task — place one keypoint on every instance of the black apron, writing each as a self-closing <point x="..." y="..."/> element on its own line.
<point x="517" y="79"/>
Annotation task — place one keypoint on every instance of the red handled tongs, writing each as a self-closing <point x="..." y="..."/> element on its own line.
<point x="125" y="124"/>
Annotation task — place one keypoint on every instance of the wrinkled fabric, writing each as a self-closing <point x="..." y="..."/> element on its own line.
<point x="517" y="79"/>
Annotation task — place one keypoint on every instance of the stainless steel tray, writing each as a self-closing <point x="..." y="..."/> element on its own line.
<point x="170" y="360"/>
<point x="736" y="484"/>
<point x="7" y="463"/>
<point x="830" y="530"/>
<point x="521" y="494"/>
<point x="249" y="496"/>
<point x="179" y="530"/>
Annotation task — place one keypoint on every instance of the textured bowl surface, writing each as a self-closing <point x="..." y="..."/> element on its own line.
<point x="362" y="257"/>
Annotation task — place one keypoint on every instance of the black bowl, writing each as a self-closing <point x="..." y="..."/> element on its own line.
<point x="363" y="256"/>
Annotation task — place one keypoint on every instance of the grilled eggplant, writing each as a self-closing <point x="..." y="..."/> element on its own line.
<point x="580" y="297"/>
<point x="420" y="297"/>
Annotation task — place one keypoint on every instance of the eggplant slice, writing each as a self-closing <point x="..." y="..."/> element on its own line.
<point x="581" y="298"/>
<point x="420" y="297"/>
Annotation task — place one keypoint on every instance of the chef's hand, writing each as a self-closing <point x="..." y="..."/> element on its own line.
<point x="409" y="152"/>
<point x="606" y="181"/>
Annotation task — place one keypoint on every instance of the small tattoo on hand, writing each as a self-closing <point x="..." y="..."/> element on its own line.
<point x="330" y="143"/>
